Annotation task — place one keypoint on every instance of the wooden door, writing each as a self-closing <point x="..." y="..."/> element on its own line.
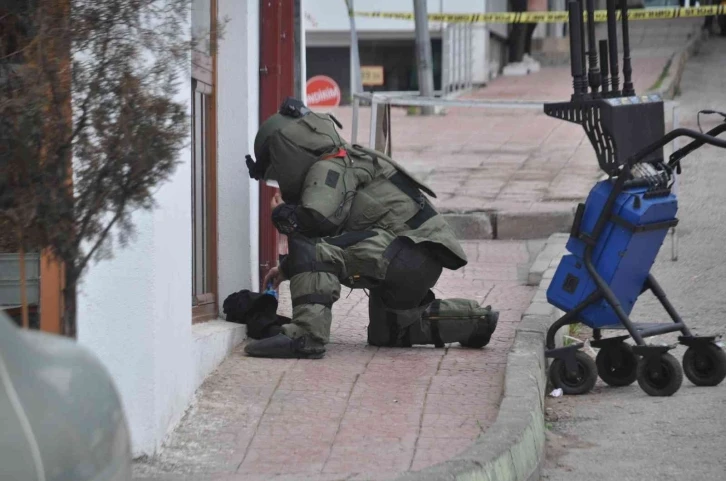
<point x="277" y="81"/>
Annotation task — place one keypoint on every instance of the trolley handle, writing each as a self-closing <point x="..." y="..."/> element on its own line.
<point x="685" y="150"/>
<point x="671" y="136"/>
<point x="591" y="239"/>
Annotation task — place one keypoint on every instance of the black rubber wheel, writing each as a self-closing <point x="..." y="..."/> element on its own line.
<point x="665" y="380"/>
<point x="580" y="383"/>
<point x="705" y="365"/>
<point x="622" y="373"/>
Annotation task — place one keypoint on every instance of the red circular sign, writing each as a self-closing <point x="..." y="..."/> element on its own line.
<point x="322" y="91"/>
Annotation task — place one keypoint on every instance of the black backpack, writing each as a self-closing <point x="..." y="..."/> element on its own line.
<point x="257" y="311"/>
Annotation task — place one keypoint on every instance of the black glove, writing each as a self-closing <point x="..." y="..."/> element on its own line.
<point x="257" y="169"/>
<point x="284" y="218"/>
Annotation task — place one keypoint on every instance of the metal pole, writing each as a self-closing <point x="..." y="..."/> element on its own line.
<point x="469" y="56"/>
<point x="354" y="127"/>
<point x="462" y="56"/>
<point x="457" y="59"/>
<point x="424" y="57"/>
<point x="455" y="54"/>
<point x="356" y="83"/>
<point x="445" y="59"/>
<point x="454" y="57"/>
<point x="374" y="122"/>
<point x="676" y="146"/>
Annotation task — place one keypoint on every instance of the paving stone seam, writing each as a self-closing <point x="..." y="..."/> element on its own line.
<point x="342" y="416"/>
<point x="259" y="421"/>
<point x="512" y="449"/>
<point x="423" y="407"/>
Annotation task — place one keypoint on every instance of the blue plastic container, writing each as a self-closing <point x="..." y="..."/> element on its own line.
<point x="270" y="291"/>
<point x="622" y="257"/>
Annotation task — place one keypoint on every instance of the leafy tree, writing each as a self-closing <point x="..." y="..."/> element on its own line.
<point x="89" y="122"/>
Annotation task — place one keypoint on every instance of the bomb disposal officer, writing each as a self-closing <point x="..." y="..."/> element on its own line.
<point x="353" y="216"/>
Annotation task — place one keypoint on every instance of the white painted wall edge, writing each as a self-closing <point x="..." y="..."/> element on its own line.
<point x="237" y="123"/>
<point x="212" y="342"/>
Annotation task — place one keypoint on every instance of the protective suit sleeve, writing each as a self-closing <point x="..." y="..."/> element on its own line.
<point x="327" y="195"/>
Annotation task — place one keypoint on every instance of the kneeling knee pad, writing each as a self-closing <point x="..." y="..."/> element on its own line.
<point x="397" y="327"/>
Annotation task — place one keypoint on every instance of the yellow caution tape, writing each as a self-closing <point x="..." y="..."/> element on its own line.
<point x="553" y="17"/>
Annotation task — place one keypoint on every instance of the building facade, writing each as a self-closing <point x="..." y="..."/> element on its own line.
<point x="152" y="314"/>
<point x="471" y="53"/>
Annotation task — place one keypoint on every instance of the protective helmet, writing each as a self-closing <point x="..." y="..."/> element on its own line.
<point x="269" y="127"/>
<point x="291" y="141"/>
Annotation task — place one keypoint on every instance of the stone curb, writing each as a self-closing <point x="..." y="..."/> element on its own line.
<point x="548" y="259"/>
<point x="513" y="448"/>
<point x="669" y="86"/>
<point x="510" y="225"/>
<point x="539" y="225"/>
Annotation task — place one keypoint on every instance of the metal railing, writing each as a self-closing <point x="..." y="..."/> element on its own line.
<point x="457" y="58"/>
<point x="413" y="99"/>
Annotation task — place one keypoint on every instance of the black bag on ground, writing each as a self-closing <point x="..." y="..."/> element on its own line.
<point x="257" y="311"/>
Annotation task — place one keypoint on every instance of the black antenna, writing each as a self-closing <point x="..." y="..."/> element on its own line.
<point x="604" y="68"/>
<point x="613" y="42"/>
<point x="628" y="90"/>
<point x="576" y="66"/>
<point x="581" y="21"/>
<point x="593" y="70"/>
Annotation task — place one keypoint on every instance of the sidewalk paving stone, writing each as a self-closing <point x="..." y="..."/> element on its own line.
<point x="366" y="413"/>
<point x="361" y="412"/>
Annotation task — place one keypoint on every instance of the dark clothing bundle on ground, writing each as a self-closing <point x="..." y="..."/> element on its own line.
<point x="257" y="311"/>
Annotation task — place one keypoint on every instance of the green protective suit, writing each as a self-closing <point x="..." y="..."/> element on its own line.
<point x="354" y="216"/>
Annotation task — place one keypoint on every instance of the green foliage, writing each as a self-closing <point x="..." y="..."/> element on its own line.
<point x="109" y="120"/>
<point x="573" y="331"/>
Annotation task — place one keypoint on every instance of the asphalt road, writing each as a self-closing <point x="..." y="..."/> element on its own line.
<point x="622" y="433"/>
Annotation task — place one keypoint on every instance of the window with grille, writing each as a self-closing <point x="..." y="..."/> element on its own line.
<point x="200" y="189"/>
<point x="203" y="167"/>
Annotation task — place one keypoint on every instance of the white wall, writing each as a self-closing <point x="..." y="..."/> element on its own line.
<point x="237" y="122"/>
<point x="134" y="311"/>
<point x="480" y="55"/>
<point x="116" y="321"/>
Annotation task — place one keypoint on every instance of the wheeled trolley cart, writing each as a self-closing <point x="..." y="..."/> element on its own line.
<point x="618" y="231"/>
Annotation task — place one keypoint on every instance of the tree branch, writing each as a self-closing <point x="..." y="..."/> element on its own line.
<point x="102" y="237"/>
<point x="98" y="198"/>
<point x="86" y="101"/>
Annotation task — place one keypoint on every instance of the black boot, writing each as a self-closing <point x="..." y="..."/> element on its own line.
<point x="282" y="347"/>
<point x="484" y="330"/>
